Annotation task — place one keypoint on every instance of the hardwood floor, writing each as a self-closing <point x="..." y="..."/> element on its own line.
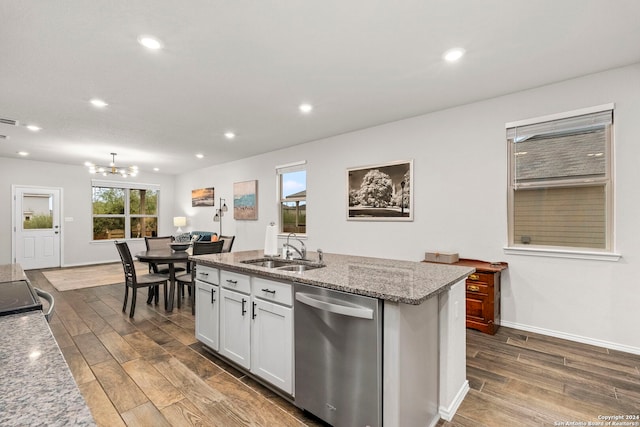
<point x="525" y="379"/>
<point x="150" y="370"/>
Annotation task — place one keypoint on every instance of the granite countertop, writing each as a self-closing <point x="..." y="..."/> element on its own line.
<point x="35" y="381"/>
<point x="391" y="280"/>
<point x="11" y="272"/>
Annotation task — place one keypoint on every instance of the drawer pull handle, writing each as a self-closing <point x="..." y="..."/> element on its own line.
<point x="269" y="291"/>
<point x="474" y="277"/>
<point x="473" y="288"/>
<point x="233" y="282"/>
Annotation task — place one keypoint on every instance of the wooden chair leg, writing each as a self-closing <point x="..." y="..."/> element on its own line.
<point x="133" y="302"/>
<point x="157" y="294"/>
<point x="126" y="297"/>
<point x="178" y="287"/>
<point x="192" y="296"/>
<point x="152" y="291"/>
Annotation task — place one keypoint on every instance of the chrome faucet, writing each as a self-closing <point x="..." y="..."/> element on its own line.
<point x="320" y="256"/>
<point x="302" y="251"/>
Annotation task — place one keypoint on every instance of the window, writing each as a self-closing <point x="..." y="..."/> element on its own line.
<point x="560" y="181"/>
<point x="124" y="210"/>
<point x="292" y="199"/>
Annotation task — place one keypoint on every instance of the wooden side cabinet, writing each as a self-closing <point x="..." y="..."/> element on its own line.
<point x="483" y="295"/>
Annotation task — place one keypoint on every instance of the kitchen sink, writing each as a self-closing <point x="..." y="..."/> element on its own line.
<point x="268" y="263"/>
<point x="297" y="266"/>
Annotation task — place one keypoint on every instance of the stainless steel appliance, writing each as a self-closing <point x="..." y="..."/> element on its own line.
<point x="18" y="296"/>
<point x="338" y="356"/>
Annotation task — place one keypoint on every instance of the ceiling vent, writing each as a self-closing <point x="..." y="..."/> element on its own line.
<point x="8" y="121"/>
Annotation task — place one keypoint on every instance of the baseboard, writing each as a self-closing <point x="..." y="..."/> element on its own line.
<point x="572" y="337"/>
<point x="448" y="412"/>
<point x="85" y="264"/>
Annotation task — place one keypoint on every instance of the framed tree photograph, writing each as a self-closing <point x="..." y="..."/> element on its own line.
<point x="245" y="200"/>
<point x="202" y="197"/>
<point x="380" y="192"/>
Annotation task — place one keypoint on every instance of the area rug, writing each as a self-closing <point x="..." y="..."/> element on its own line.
<point x="66" y="279"/>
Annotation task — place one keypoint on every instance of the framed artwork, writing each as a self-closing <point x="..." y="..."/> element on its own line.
<point x="245" y="200"/>
<point x="380" y="192"/>
<point x="202" y="197"/>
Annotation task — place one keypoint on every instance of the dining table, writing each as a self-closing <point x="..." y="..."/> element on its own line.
<point x="165" y="256"/>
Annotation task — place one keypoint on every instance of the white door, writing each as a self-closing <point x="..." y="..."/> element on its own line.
<point x="207" y="308"/>
<point x="272" y="343"/>
<point x="235" y="327"/>
<point x="36" y="227"/>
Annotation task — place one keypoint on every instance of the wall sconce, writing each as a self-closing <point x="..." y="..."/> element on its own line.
<point x="179" y="221"/>
<point x="220" y="213"/>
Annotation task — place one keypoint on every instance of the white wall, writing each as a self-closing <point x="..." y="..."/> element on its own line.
<point x="75" y="181"/>
<point x="460" y="192"/>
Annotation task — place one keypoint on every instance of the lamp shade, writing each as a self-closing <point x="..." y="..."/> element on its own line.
<point x="179" y="221"/>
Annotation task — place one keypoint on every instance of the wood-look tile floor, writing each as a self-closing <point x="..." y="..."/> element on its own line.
<point x="519" y="378"/>
<point x="150" y="370"/>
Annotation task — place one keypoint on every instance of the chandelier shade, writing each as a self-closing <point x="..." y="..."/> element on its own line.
<point x="112" y="169"/>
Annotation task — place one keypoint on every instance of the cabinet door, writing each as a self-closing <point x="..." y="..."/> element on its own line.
<point x="235" y="327"/>
<point x="272" y="343"/>
<point x="207" y="313"/>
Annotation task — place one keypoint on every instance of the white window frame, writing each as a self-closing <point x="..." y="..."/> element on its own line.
<point x="127" y="215"/>
<point x="280" y="170"/>
<point x="606" y="254"/>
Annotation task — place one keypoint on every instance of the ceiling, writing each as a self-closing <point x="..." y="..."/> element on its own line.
<point x="245" y="66"/>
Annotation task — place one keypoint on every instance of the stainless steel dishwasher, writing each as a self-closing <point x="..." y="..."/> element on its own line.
<point x="338" y="356"/>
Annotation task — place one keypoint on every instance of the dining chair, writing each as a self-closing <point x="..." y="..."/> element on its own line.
<point x="135" y="281"/>
<point x="154" y="243"/>
<point x="228" y="243"/>
<point x="189" y="278"/>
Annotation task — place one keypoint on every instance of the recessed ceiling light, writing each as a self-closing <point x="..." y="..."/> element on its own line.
<point x="200" y="156"/>
<point x="33" y="128"/>
<point x="229" y="135"/>
<point x="23" y="153"/>
<point x="98" y="103"/>
<point x="156" y="169"/>
<point x="150" y="42"/>
<point x="452" y="55"/>
<point x="305" y="108"/>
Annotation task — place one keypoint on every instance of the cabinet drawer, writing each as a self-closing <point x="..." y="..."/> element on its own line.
<point x="207" y="274"/>
<point x="270" y="290"/>
<point x="481" y="277"/>
<point x="235" y="281"/>
<point x="476" y="288"/>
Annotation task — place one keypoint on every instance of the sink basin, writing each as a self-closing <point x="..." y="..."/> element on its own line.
<point x="297" y="266"/>
<point x="268" y="263"/>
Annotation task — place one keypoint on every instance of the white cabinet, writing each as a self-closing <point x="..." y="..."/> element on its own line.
<point x="235" y="327"/>
<point x="255" y="324"/>
<point x="207" y="300"/>
<point x="272" y="338"/>
<point x="207" y="313"/>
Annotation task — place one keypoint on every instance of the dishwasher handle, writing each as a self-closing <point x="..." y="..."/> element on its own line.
<point x="351" y="310"/>
<point x="49" y="298"/>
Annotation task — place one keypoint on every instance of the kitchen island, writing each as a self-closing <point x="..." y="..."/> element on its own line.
<point x="36" y="383"/>
<point x="423" y="353"/>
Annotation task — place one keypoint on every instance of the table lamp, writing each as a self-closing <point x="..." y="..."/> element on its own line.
<point x="179" y="221"/>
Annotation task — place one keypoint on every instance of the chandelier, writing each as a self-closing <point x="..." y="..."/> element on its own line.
<point x="112" y="169"/>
